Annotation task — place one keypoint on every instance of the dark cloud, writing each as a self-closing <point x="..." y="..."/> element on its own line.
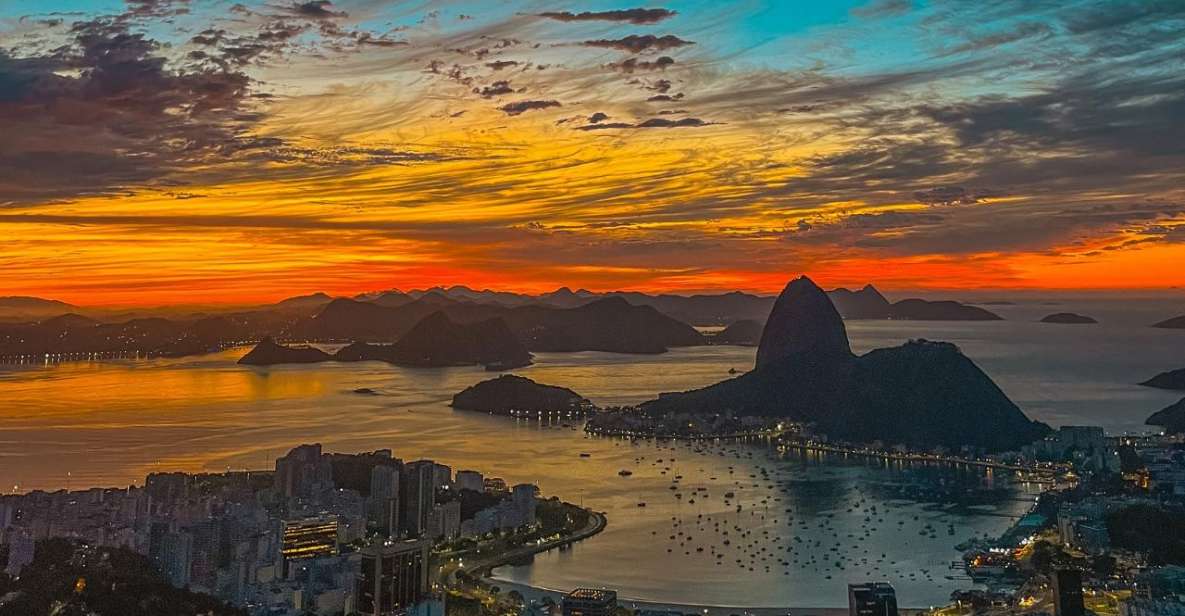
<point x="597" y="117"/>
<point x="635" y="43"/>
<point x="156" y="8"/>
<point x="105" y="111"/>
<point x="520" y="107"/>
<point x="651" y="123"/>
<point x="498" y="88"/>
<point x="952" y="195"/>
<point x="630" y="65"/>
<point x="633" y="16"/>
<point x="315" y="9"/>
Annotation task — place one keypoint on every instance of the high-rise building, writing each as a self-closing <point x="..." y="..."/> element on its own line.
<point x="21" y="548"/>
<point x="442" y="476"/>
<point x="303" y="473"/>
<point x="525" y="497"/>
<point x="176" y="558"/>
<point x="416" y="496"/>
<point x="384" y="499"/>
<point x="590" y="602"/>
<point x="445" y="521"/>
<point x="470" y="480"/>
<point x="872" y="599"/>
<point x="393" y="577"/>
<point x="309" y="538"/>
<point x="1067" y="593"/>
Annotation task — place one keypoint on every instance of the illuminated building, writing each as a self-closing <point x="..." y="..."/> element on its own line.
<point x="590" y="602"/>
<point x="309" y="538"/>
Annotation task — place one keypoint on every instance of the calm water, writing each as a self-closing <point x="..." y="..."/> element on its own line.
<point x="111" y="423"/>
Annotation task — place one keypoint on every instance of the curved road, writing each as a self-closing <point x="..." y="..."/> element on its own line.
<point x="596" y="524"/>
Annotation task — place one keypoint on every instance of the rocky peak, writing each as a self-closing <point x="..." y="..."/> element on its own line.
<point x="803" y="321"/>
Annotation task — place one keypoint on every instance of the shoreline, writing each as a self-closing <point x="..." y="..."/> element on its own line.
<point x="536" y="592"/>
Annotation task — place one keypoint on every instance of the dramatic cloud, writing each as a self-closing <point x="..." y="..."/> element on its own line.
<point x="633" y="16"/>
<point x="520" y="107"/>
<point x="630" y="65"/>
<point x="635" y="43"/>
<point x="105" y="111"/>
<point x="315" y="9"/>
<point x="595" y="123"/>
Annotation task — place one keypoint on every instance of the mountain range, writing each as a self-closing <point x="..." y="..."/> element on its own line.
<point x="435" y="341"/>
<point x="922" y="393"/>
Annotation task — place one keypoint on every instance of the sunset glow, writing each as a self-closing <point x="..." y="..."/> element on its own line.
<point x="171" y="152"/>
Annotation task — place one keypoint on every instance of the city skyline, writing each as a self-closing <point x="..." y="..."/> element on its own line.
<point x="181" y="152"/>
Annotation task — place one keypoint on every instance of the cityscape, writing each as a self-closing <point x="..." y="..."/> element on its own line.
<point x="592" y="308"/>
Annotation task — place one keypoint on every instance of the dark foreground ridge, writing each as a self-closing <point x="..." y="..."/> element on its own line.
<point x="1171" y="418"/>
<point x="510" y="393"/>
<point x="921" y="393"/>
<point x="1069" y="318"/>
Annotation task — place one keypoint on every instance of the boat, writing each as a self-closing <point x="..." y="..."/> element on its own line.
<point x="625" y="473"/>
<point x="641" y="504"/>
<point x="586" y="455"/>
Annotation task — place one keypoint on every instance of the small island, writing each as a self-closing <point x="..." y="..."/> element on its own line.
<point x="267" y="353"/>
<point x="745" y="332"/>
<point x="1171" y="418"/>
<point x="1173" y="379"/>
<point x="518" y="396"/>
<point x="1069" y="318"/>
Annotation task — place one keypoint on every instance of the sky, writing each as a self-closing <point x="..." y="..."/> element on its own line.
<point x="204" y="151"/>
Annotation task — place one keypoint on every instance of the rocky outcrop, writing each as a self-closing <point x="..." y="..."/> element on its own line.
<point x="803" y="322"/>
<point x="509" y="393"/>
<point x="922" y="394"/>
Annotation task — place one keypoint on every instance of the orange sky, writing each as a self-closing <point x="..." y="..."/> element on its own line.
<point x="379" y="149"/>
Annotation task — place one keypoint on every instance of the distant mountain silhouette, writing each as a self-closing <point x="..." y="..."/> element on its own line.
<point x="867" y="303"/>
<point x="746" y="332"/>
<point x="1173" y="323"/>
<point x="610" y="324"/>
<point x="922" y="393"/>
<point x="1173" y="379"/>
<point x="149" y="336"/>
<point x="515" y="393"/>
<point x="1171" y="418"/>
<point x="1069" y="318"/>
<point x="267" y="353"/>
<point x="302" y="302"/>
<point x="943" y="310"/>
<point x="723" y="308"/>
<point x="25" y="307"/>
<point x="433" y="342"/>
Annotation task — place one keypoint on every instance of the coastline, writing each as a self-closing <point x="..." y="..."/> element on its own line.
<point x="534" y="592"/>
